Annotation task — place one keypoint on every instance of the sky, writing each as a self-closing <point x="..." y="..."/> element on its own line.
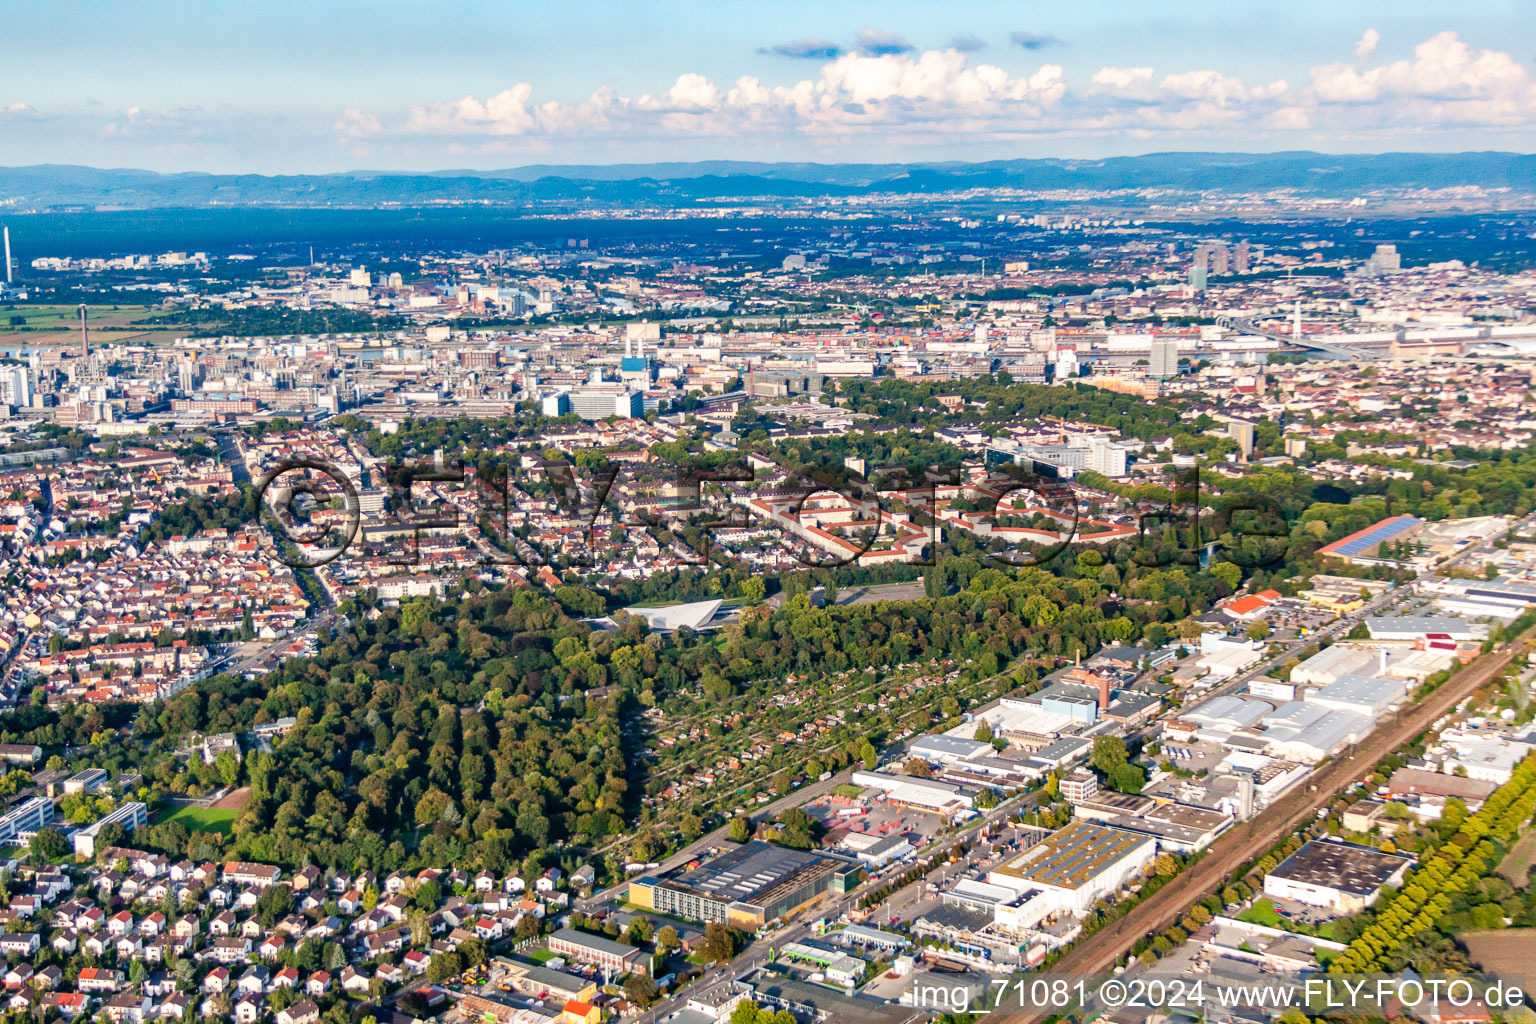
<point x="273" y="86"/>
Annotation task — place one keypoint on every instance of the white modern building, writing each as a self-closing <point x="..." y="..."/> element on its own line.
<point x="130" y="815"/>
<point x="29" y="816"/>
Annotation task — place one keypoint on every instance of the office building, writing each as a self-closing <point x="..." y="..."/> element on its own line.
<point x="130" y="815"/>
<point x="18" y="388"/>
<point x="1385" y="260"/>
<point x="599" y="404"/>
<point x="1164" y="360"/>
<point x="1078" y="785"/>
<point x="1241" y="431"/>
<point x="29" y="816"/>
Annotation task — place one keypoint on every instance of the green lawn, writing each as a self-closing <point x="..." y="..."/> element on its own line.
<point x="1262" y="912"/>
<point x="540" y="956"/>
<point x="202" y="819"/>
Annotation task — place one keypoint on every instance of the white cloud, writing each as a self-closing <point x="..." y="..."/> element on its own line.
<point x="357" y="123"/>
<point x="1447" y="82"/>
<point x="1130" y="83"/>
<point x="881" y="89"/>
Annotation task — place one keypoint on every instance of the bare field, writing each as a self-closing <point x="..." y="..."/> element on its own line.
<point x="1516" y="865"/>
<point x="1511" y="950"/>
<point x="43" y="325"/>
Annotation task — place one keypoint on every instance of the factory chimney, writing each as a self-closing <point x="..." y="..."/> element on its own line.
<point x="7" y="255"/>
<point x="1103" y="682"/>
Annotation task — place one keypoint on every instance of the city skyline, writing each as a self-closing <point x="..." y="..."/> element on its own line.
<point x="279" y="89"/>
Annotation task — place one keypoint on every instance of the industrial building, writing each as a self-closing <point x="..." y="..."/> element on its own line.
<point x="747" y="886"/>
<point x="945" y="749"/>
<point x="1333" y="663"/>
<point x="1371" y="696"/>
<point x="1306" y="732"/>
<point x="929" y="795"/>
<point x="1365" y="545"/>
<point x="1217" y="719"/>
<point x="1480" y="598"/>
<point x="1343" y="877"/>
<point x="599" y="951"/>
<point x="1078" y="864"/>
<point x="1412" y="628"/>
<point x="1176" y="827"/>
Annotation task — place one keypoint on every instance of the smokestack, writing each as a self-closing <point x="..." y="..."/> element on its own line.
<point x="1103" y="692"/>
<point x="85" y="335"/>
<point x="7" y="255"/>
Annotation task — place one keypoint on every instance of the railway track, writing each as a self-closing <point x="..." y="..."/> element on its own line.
<point x="1255" y="837"/>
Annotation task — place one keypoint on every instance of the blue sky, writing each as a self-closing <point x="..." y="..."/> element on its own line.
<point x="324" y="85"/>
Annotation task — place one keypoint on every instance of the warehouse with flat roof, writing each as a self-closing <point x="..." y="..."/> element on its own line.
<point x="1078" y="864"/>
<point x="747" y="886"/>
<point x="1343" y="877"/>
<point x="1421" y="627"/>
<point x="1362" y="695"/>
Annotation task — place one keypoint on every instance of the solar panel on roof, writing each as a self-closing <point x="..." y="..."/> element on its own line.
<point x="1377" y="534"/>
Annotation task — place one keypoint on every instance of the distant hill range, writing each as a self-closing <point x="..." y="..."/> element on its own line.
<point x="49" y="186"/>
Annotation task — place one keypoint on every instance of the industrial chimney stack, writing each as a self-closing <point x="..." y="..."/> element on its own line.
<point x="7" y="256"/>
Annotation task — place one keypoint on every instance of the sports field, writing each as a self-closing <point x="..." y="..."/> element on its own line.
<point x="203" y="819"/>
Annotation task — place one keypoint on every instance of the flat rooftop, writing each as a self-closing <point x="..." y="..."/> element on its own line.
<point x="747" y="872"/>
<point x="1346" y="867"/>
<point x="1071" y="857"/>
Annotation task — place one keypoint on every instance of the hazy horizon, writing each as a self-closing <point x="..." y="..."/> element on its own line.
<point x="279" y="87"/>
